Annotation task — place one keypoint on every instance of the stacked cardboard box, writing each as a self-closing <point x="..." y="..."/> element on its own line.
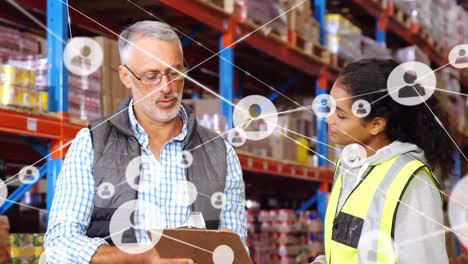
<point x="418" y="11"/>
<point x="411" y="53"/>
<point x="207" y="113"/>
<point x="290" y="137"/>
<point x="444" y="20"/>
<point x="83" y="91"/>
<point x="282" y="17"/>
<point x="301" y="21"/>
<point x="90" y="97"/>
<point x="373" y="49"/>
<point x="261" y="12"/>
<point x="113" y="91"/>
<point x="343" y="38"/>
<point x="83" y="96"/>
<point x="226" y="5"/>
<point x="449" y="79"/>
<point x="16" y="43"/>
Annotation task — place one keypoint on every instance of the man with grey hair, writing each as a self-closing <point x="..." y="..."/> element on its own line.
<point x="147" y="166"/>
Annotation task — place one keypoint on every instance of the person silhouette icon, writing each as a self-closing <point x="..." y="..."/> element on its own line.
<point x="324" y="107"/>
<point x="128" y="236"/>
<point x="361" y="110"/>
<point x="185" y="160"/>
<point x="82" y="60"/>
<point x="256" y="122"/>
<point x="412" y="89"/>
<point x="105" y="191"/>
<point x="219" y="200"/>
<point x="255" y="111"/>
<point x="29" y="173"/>
<point x="462" y="57"/>
<point x="353" y="155"/>
<point x="237" y="137"/>
<point x="136" y="181"/>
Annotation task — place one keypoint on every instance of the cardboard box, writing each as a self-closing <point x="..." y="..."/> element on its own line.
<point x="113" y="90"/>
<point x="204" y="106"/>
<point x="260" y="148"/>
<point x="411" y="53"/>
<point x="284" y="148"/>
<point x="110" y="51"/>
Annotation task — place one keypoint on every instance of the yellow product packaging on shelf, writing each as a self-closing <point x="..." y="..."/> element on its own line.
<point x="7" y="75"/>
<point x="7" y="94"/>
<point x="302" y="150"/>
<point x="43" y="101"/>
<point x="25" y="98"/>
<point x="38" y="251"/>
<point x="24" y="78"/>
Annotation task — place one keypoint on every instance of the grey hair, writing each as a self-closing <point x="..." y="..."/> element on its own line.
<point x="150" y="29"/>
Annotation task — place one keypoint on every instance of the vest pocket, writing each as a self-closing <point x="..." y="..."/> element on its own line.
<point x="347" y="229"/>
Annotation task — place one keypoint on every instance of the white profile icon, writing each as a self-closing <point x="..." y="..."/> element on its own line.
<point x="259" y="110"/>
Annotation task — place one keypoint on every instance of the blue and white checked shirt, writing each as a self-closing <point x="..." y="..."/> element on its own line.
<point x="75" y="189"/>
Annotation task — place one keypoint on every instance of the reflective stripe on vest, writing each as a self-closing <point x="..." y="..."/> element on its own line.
<point x="375" y="201"/>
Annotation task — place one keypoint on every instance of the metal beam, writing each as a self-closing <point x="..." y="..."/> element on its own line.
<point x="193" y="34"/>
<point x="321" y="85"/>
<point x="226" y="73"/>
<point x="309" y="203"/>
<point x="37" y="147"/>
<point x="290" y="81"/>
<point x="57" y="36"/>
<point x="320" y="9"/>
<point x="53" y="170"/>
<point x="18" y="194"/>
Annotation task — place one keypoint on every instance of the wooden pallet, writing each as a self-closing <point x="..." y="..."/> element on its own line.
<point x="337" y="61"/>
<point x="439" y="49"/>
<point x="313" y="49"/>
<point x="267" y="30"/>
<point x="381" y="3"/>
<point x="402" y="17"/>
<point x="424" y="35"/>
<point x="430" y="41"/>
<point x="226" y="6"/>
<point x="78" y="122"/>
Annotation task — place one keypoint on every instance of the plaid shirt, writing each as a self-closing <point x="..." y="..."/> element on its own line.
<point x="73" y="202"/>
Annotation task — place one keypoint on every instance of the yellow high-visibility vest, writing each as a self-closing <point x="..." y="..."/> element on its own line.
<point x="367" y="218"/>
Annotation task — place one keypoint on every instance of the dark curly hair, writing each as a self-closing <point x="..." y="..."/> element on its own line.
<point x="412" y="124"/>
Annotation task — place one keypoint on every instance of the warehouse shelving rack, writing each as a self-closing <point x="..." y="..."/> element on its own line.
<point x="60" y="130"/>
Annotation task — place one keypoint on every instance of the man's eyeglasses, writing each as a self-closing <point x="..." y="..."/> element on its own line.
<point x="153" y="78"/>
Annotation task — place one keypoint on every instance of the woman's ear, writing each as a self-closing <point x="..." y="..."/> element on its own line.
<point x="377" y="125"/>
<point x="125" y="77"/>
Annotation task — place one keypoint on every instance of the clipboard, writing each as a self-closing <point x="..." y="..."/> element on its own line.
<point x="199" y="245"/>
